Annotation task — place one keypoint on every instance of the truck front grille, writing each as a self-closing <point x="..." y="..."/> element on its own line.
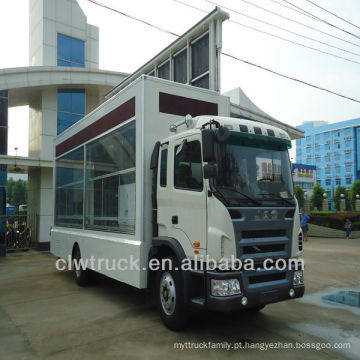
<point x="261" y="248"/>
<point x="266" y="278"/>
<point x="253" y="234"/>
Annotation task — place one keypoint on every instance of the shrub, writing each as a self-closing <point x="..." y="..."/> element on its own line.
<point x="336" y="219"/>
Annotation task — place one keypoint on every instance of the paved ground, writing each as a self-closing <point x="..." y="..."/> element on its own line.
<point x="44" y="314"/>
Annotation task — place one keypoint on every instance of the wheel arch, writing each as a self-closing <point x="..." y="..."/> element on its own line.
<point x="167" y="246"/>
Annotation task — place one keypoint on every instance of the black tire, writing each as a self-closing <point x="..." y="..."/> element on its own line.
<point x="176" y="315"/>
<point x="82" y="276"/>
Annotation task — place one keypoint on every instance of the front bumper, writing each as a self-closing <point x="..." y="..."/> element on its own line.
<point x="257" y="294"/>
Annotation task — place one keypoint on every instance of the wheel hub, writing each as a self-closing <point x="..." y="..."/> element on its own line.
<point x="167" y="293"/>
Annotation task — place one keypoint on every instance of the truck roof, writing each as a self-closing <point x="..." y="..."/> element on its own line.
<point x="234" y="124"/>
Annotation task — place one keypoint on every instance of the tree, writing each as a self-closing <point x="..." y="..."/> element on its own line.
<point x="16" y="193"/>
<point x="299" y="193"/>
<point x="317" y="196"/>
<point x="340" y="190"/>
<point x="354" y="190"/>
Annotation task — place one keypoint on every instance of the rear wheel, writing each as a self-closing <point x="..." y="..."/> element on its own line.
<point x="170" y="295"/>
<point x="82" y="276"/>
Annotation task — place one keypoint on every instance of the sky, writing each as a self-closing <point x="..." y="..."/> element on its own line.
<point x="126" y="44"/>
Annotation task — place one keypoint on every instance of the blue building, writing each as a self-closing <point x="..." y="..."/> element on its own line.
<point x="335" y="151"/>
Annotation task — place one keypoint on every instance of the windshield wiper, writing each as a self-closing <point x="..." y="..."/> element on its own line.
<point x="216" y="192"/>
<point x="246" y="196"/>
<point x="278" y="198"/>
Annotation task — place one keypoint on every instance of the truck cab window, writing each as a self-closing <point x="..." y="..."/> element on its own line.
<point x="188" y="167"/>
<point x="163" y="167"/>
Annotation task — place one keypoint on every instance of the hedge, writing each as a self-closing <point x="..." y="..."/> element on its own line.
<point x="335" y="219"/>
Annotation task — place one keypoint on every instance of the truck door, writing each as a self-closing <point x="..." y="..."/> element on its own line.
<point x="182" y="206"/>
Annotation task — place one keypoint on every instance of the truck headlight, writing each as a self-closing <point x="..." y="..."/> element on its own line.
<point x="225" y="287"/>
<point x="298" y="277"/>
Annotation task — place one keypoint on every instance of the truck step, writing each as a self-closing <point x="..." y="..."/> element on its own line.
<point x="199" y="301"/>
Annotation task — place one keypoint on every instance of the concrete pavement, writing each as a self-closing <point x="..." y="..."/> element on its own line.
<point x="44" y="314"/>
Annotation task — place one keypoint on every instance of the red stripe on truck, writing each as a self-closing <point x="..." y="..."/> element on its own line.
<point x="113" y="118"/>
<point x="180" y="105"/>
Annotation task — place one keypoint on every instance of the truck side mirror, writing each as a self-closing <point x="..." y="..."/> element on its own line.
<point x="208" y="142"/>
<point x="222" y="135"/>
<point x="210" y="170"/>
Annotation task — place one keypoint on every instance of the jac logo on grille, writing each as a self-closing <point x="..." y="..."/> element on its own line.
<point x="267" y="215"/>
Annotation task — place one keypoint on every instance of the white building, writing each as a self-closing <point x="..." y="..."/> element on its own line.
<point x="61" y="85"/>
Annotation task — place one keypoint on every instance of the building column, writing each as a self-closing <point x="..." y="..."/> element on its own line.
<point x="4" y="103"/>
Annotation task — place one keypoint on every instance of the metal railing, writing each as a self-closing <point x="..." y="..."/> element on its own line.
<point x="20" y="231"/>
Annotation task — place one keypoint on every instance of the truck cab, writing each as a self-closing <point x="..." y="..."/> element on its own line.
<point x="223" y="191"/>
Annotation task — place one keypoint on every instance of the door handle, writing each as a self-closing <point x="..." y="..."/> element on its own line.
<point x="175" y="219"/>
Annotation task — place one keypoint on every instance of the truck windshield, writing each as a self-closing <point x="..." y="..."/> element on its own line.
<point x="253" y="169"/>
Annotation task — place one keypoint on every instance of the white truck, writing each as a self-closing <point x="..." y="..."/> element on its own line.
<point x="160" y="171"/>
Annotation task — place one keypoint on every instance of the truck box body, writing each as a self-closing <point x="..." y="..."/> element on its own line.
<point x="147" y="107"/>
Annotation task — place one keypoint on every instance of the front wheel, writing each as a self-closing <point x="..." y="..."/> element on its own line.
<point x="170" y="295"/>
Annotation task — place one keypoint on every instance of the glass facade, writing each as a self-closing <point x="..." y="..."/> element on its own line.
<point x="200" y="62"/>
<point x="70" y="51"/>
<point x="164" y="71"/>
<point x="104" y="171"/>
<point x="188" y="66"/>
<point x="110" y="182"/>
<point x="69" y="189"/>
<point x="180" y="67"/>
<point x="3" y="168"/>
<point x="71" y="108"/>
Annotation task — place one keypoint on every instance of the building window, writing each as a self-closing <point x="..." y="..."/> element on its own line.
<point x="317" y="148"/>
<point x="348" y="168"/>
<point x="337" y="157"/>
<point x="327" y="170"/>
<point x="338" y="146"/>
<point x="200" y="62"/>
<point x="110" y="182"/>
<point x="188" y="167"/>
<point x="318" y="172"/>
<point x="327" y="147"/>
<point x="164" y="71"/>
<point x="70" y="51"/>
<point x="308" y="150"/>
<point x="308" y="138"/>
<point x="348" y="181"/>
<point x="317" y="137"/>
<point x="180" y="67"/>
<point x="338" y="182"/>
<point x="71" y="108"/>
<point x="69" y="189"/>
<point x="327" y="135"/>
<point x="298" y="142"/>
<point x="348" y="156"/>
<point x="327" y="158"/>
<point x="337" y="169"/>
<point x="327" y="182"/>
<point x="347" y="144"/>
<point x="163" y="167"/>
